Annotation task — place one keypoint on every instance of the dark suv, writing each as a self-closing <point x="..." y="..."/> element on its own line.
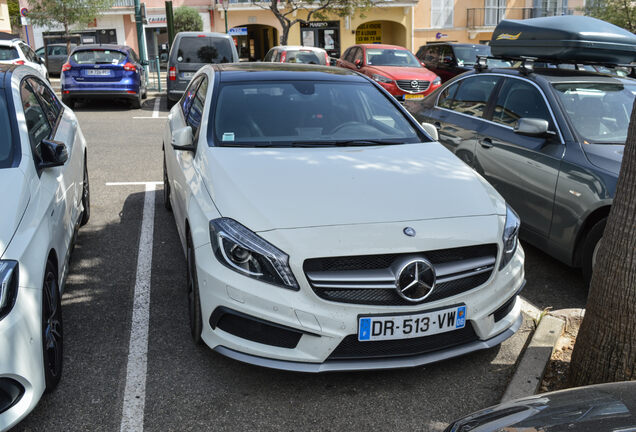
<point x="451" y="59"/>
<point x="551" y="141"/>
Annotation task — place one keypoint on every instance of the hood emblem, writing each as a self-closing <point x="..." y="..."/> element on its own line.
<point x="415" y="280"/>
<point x="415" y="84"/>
<point x="408" y="231"/>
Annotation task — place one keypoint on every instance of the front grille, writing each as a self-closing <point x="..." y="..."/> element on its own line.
<point x="370" y="279"/>
<point x="350" y="348"/>
<point x="407" y="85"/>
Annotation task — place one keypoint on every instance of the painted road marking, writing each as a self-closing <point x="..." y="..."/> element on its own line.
<point x="133" y="183"/>
<point x="132" y="418"/>
<point x="155" y="109"/>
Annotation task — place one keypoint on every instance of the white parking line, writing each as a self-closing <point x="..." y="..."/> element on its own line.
<point x="155" y="109"/>
<point x="133" y="183"/>
<point x="135" y="391"/>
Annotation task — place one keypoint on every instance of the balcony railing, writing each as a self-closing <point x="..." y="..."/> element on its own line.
<point x="490" y="16"/>
<point x="123" y="3"/>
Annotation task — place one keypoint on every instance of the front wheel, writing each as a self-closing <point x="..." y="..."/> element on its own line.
<point x="166" y="186"/>
<point x="591" y="247"/>
<point x="194" y="301"/>
<point x="86" y="198"/>
<point x="52" y="330"/>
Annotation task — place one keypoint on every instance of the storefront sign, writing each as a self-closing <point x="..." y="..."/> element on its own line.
<point x="321" y="24"/>
<point x="238" y="31"/>
<point x="369" y="33"/>
<point x="157" y="19"/>
<point x="440" y="35"/>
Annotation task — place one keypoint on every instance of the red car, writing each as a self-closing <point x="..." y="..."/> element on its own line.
<point x="394" y="68"/>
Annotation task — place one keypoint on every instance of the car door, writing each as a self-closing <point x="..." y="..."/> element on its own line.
<point x="459" y="114"/>
<point x="181" y="168"/>
<point x="524" y="169"/>
<point x="32" y="59"/>
<point x="55" y="188"/>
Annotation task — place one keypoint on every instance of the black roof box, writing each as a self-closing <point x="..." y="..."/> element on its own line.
<point x="567" y="38"/>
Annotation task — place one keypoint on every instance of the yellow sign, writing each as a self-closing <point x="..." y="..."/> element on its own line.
<point x="508" y="36"/>
<point x="369" y="33"/>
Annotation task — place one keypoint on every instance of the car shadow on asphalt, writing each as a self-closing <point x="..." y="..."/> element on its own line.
<point x="114" y="105"/>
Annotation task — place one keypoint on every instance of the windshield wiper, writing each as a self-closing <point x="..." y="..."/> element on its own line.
<point x="342" y="143"/>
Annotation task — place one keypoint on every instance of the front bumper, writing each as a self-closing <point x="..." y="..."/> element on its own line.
<point x="324" y="324"/>
<point x="21" y="370"/>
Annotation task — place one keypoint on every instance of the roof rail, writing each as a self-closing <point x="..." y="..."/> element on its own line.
<point x="527" y="63"/>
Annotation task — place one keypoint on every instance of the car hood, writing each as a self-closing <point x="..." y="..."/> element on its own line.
<point x="14" y="197"/>
<point x="403" y="73"/>
<point x="274" y="188"/>
<point x="606" y="156"/>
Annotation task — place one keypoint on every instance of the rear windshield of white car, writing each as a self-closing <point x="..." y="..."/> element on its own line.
<point x="6" y="143"/>
<point x="204" y="50"/>
<point x="306" y="57"/>
<point x="98" y="56"/>
<point x="307" y="113"/>
<point x="599" y="112"/>
<point x="8" y="53"/>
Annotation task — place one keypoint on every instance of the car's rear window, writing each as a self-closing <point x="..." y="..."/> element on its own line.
<point x="307" y="113"/>
<point x="307" y="57"/>
<point x="8" y="53"/>
<point x="6" y="143"/>
<point x="204" y="50"/>
<point x="98" y="56"/>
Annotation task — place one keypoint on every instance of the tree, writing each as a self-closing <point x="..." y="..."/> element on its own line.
<point x="66" y="13"/>
<point x="605" y="349"/>
<point x="286" y="11"/>
<point x="187" y="19"/>
<point x="14" y="15"/>
<point x="618" y="12"/>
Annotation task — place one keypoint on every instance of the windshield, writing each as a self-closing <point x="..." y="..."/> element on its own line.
<point x="98" y="56"/>
<point x="6" y="144"/>
<point x="391" y="57"/>
<point x="8" y="53"/>
<point x="467" y="56"/>
<point x="307" y="57"/>
<point x="204" y="50"/>
<point x="307" y="113"/>
<point x="599" y="112"/>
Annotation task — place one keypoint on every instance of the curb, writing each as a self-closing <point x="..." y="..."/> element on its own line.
<point x="529" y="373"/>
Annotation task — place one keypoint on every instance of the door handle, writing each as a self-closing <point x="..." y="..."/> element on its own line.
<point x="437" y="125"/>
<point x="486" y="143"/>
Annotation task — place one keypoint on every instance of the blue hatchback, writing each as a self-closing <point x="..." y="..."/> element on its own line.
<point x="103" y="71"/>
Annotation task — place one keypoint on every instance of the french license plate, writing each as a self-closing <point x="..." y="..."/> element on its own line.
<point x="187" y="75"/>
<point x="413" y="96"/>
<point x="98" y="72"/>
<point x="411" y="326"/>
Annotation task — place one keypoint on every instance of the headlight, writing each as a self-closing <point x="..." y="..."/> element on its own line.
<point x="510" y="236"/>
<point x="241" y="250"/>
<point x="437" y="81"/>
<point x="382" y="79"/>
<point x="8" y="286"/>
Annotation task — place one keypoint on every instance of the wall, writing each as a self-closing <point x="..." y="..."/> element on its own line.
<point x="5" y="23"/>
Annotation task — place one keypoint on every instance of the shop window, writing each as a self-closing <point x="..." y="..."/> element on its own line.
<point x="442" y="13"/>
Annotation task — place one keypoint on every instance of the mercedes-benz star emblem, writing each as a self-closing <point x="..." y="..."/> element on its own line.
<point x="415" y="84"/>
<point x="409" y="232"/>
<point x="415" y="280"/>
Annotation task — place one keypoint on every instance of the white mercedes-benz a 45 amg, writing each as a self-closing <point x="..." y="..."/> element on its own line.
<point x="325" y="230"/>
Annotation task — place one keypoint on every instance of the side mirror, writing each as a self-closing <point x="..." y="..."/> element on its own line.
<point x="358" y="63"/>
<point x="54" y="153"/>
<point x="532" y="127"/>
<point x="431" y="130"/>
<point x="182" y="139"/>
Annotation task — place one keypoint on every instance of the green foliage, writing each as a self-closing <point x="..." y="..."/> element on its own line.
<point x="66" y="13"/>
<point x="618" y="12"/>
<point x="14" y="15"/>
<point x="187" y="19"/>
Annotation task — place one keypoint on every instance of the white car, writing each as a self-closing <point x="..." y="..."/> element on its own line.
<point x="15" y="51"/>
<point x="45" y="196"/>
<point x="297" y="54"/>
<point x="324" y="230"/>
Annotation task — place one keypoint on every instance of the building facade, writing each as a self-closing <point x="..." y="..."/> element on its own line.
<point x="408" y="23"/>
<point x="5" y="22"/>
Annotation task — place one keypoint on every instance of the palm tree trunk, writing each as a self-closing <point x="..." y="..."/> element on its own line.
<point x="605" y="349"/>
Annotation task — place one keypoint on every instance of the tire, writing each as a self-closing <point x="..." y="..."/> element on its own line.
<point x="68" y="102"/>
<point x="166" y="187"/>
<point x="590" y="248"/>
<point x="86" y="197"/>
<point x="144" y="95"/>
<point x="52" y="329"/>
<point x="194" y="301"/>
<point x="136" y="102"/>
<point x="170" y="103"/>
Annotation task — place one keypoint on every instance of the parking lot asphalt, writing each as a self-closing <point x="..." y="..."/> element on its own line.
<point x="191" y="387"/>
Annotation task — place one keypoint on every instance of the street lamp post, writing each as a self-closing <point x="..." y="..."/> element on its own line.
<point x="225" y="4"/>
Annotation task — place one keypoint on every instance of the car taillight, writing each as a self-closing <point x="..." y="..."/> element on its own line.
<point x="19" y="62"/>
<point x="66" y="67"/>
<point x="283" y="56"/>
<point x="327" y="59"/>
<point x="130" y="67"/>
<point x="172" y="73"/>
